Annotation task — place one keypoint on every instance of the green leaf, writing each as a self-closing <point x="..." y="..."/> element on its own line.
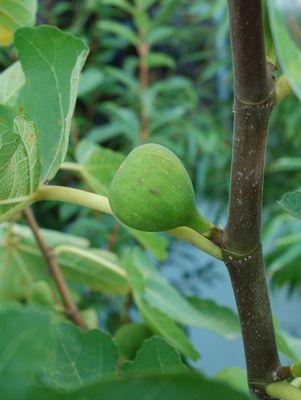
<point x="41" y="294"/>
<point x="98" y="166"/>
<point x="291" y="203"/>
<point x="129" y="339"/>
<point x="21" y="263"/>
<point x="24" y="338"/>
<point x="52" y="237"/>
<point x="156" y="243"/>
<point x="14" y="14"/>
<point x="154" y="318"/>
<point x="216" y="318"/>
<point x="286" y="164"/>
<point x="20" y="166"/>
<point x="288" y="345"/>
<point x="234" y="377"/>
<point x="48" y="97"/>
<point x="117" y="28"/>
<point x="168" y="387"/>
<point x="286" y="33"/>
<point x="158" y="292"/>
<point x="124" y="78"/>
<point x="90" y="80"/>
<point x="155" y="356"/>
<point x="159" y="34"/>
<point x="92" y="268"/>
<point x="122" y="4"/>
<point x="156" y="60"/>
<point x="79" y="358"/>
<point x="11" y="81"/>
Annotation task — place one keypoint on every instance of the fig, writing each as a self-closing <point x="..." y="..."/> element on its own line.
<point x="40" y="294"/>
<point x="152" y="192"/>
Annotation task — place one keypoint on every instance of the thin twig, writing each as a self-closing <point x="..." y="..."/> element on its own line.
<point x="143" y="50"/>
<point x="71" y="309"/>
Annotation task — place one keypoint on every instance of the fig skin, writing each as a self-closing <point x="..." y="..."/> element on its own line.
<point x="40" y="293"/>
<point x="152" y="192"/>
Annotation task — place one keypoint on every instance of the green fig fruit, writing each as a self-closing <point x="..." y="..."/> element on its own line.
<point x="40" y="293"/>
<point x="152" y="192"/>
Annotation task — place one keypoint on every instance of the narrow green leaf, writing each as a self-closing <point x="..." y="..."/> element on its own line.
<point x="291" y="202"/>
<point x="286" y="33"/>
<point x="155" y="356"/>
<point x="79" y="358"/>
<point x="22" y="264"/>
<point x="158" y="292"/>
<point x="285" y="164"/>
<point x="14" y="14"/>
<point x="234" y="377"/>
<point x="19" y="164"/>
<point x="119" y="29"/>
<point x="90" y="80"/>
<point x="216" y="318"/>
<point x="159" y="34"/>
<point x="154" y="318"/>
<point x="156" y="243"/>
<point x="92" y="268"/>
<point x="288" y="345"/>
<point x="48" y="97"/>
<point x="122" y="4"/>
<point x="156" y="60"/>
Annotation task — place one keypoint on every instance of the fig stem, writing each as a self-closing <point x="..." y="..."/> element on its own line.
<point x="74" y="196"/>
<point x="71" y="166"/>
<point x="283" y="390"/>
<point x="282" y="88"/>
<point x="200" y="224"/>
<point x="101" y="203"/>
<point x="197" y="240"/>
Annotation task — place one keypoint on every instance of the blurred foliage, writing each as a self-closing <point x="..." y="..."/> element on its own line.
<point x="160" y="71"/>
<point x="157" y="71"/>
<point x="186" y="103"/>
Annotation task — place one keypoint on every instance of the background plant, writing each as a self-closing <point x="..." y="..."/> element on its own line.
<point x="147" y="77"/>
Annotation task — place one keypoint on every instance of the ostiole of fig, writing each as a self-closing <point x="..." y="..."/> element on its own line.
<point x="153" y="192"/>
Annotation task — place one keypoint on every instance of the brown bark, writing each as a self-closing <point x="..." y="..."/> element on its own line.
<point x="254" y="100"/>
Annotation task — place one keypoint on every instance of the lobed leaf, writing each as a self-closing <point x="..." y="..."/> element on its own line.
<point x="155" y="356"/>
<point x="79" y="359"/>
<point x="155" y="387"/>
<point x="129" y="338"/>
<point x="24" y="337"/>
